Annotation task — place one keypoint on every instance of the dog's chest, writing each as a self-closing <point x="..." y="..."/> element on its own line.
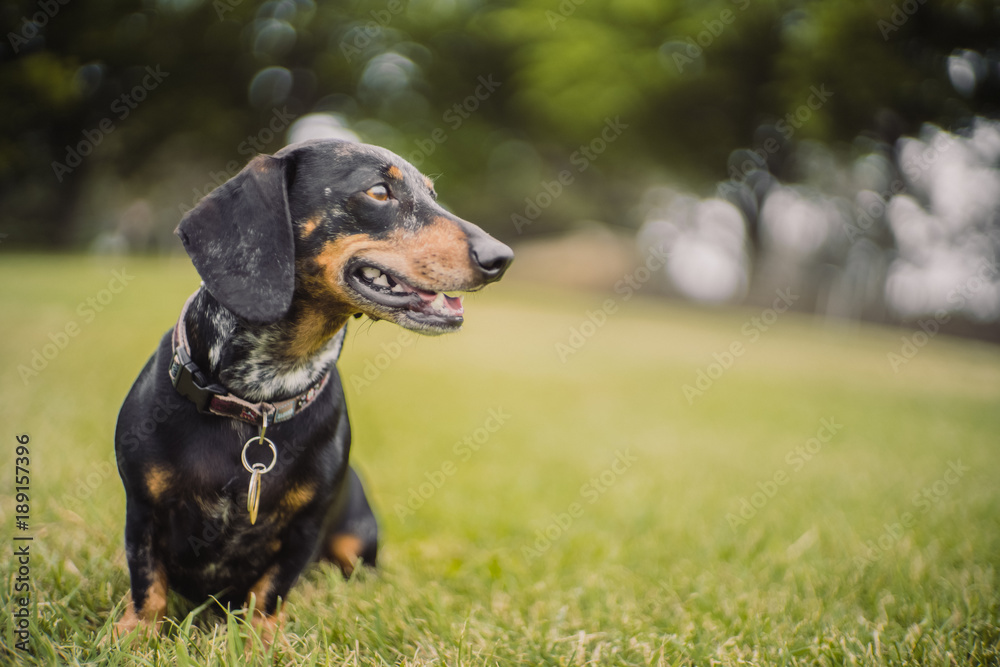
<point x="210" y="540"/>
<point x="203" y="527"/>
<point x="224" y="515"/>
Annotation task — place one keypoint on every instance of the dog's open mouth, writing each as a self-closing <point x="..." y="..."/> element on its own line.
<point x="426" y="308"/>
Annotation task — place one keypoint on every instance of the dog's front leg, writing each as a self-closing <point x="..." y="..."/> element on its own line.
<point x="263" y="599"/>
<point x="147" y="602"/>
<point x="269" y="590"/>
<point x="297" y="548"/>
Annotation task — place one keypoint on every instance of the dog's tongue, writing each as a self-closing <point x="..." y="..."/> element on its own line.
<point x="440" y="303"/>
<point x="434" y="303"/>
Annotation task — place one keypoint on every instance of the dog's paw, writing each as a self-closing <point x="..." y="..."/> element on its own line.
<point x="131" y="623"/>
<point x="345" y="550"/>
<point x="268" y="629"/>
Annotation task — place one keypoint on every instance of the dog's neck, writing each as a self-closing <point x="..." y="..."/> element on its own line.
<point x="267" y="362"/>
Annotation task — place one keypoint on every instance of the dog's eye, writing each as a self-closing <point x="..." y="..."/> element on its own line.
<point x="378" y="192"/>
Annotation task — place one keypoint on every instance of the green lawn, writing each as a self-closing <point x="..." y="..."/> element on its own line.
<point x="812" y="506"/>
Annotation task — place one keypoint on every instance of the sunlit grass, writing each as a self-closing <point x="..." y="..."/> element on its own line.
<point x="529" y="544"/>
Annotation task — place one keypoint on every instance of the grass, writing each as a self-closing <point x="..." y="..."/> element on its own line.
<point x="866" y="554"/>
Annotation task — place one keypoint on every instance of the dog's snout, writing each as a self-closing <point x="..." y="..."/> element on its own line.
<point x="491" y="257"/>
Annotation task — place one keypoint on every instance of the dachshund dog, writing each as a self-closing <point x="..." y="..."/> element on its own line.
<point x="245" y="479"/>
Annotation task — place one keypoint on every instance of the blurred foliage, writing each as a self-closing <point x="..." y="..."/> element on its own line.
<point x="691" y="80"/>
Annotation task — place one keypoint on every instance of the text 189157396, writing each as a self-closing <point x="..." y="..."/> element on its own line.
<point x="21" y="599"/>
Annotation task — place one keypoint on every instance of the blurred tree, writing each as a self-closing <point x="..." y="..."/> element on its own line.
<point x="611" y="95"/>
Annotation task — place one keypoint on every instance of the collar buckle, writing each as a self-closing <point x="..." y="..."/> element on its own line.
<point x="190" y="383"/>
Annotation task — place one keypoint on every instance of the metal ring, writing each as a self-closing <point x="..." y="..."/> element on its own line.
<point x="254" y="468"/>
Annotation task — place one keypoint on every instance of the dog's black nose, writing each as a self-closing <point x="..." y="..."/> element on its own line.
<point x="491" y="257"/>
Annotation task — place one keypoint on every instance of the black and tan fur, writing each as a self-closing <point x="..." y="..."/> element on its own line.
<point x="285" y="249"/>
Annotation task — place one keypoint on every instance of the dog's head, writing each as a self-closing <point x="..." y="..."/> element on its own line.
<point x="352" y="227"/>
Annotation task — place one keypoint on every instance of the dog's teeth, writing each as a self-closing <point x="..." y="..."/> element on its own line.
<point x="398" y="288"/>
<point x="438" y="302"/>
<point x="370" y="272"/>
<point x="381" y="280"/>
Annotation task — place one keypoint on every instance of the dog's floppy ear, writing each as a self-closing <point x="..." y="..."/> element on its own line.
<point x="240" y="240"/>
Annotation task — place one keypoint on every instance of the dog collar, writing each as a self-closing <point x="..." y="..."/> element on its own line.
<point x="190" y="382"/>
